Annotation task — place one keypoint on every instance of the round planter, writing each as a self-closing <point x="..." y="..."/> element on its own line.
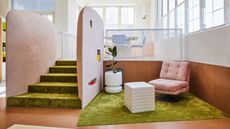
<point x="113" y="89"/>
<point x="113" y="82"/>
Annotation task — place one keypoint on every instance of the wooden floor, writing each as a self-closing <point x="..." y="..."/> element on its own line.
<point x="67" y="118"/>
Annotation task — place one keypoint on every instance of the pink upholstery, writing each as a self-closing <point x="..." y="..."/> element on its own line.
<point x="174" y="70"/>
<point x="174" y="78"/>
<point x="169" y="85"/>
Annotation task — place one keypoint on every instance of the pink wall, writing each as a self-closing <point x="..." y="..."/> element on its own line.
<point x="90" y="38"/>
<point x="31" y="50"/>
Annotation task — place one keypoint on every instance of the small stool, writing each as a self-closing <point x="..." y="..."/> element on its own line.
<point x="139" y="97"/>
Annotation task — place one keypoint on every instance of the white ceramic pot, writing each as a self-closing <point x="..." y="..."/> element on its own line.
<point x="113" y="82"/>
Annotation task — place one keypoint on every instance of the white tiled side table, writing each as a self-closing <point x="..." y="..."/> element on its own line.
<point x="139" y="97"/>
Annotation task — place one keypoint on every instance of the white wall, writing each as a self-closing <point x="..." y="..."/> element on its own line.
<point x="211" y="46"/>
<point x="61" y="15"/>
<point x="74" y="8"/>
<point x="66" y="15"/>
<point x="4" y="7"/>
<point x="142" y="7"/>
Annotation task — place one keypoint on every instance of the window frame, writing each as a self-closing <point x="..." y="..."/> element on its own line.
<point x="194" y="19"/>
<point x="119" y="25"/>
<point x="177" y="8"/>
<point x="39" y="12"/>
<point x="202" y="27"/>
<point x="212" y="13"/>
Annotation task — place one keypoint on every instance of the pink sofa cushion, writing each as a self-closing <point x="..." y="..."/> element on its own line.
<point x="169" y="85"/>
<point x="174" y="70"/>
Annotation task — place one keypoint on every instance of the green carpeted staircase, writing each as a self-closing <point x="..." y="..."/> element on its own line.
<point x="58" y="88"/>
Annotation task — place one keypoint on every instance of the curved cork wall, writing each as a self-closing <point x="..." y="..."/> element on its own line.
<point x="31" y="50"/>
<point x="90" y="46"/>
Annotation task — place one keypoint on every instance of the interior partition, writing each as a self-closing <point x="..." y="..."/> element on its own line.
<point x="160" y="44"/>
<point x="90" y="47"/>
<point x="31" y="50"/>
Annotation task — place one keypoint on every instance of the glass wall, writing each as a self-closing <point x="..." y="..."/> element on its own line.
<point x="144" y="43"/>
<point x="46" y="8"/>
<point x="192" y="15"/>
<point x="214" y="13"/>
<point x="117" y="16"/>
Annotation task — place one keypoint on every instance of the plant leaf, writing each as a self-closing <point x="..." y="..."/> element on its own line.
<point x="119" y="69"/>
<point x="110" y="50"/>
<point x="108" y="65"/>
<point x="108" y="69"/>
<point x="115" y="63"/>
<point x="114" y="54"/>
<point x="115" y="49"/>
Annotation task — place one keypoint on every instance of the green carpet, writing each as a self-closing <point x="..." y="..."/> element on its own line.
<point x="53" y="87"/>
<point x="45" y="100"/>
<point x="109" y="109"/>
<point x="63" y="69"/>
<point x="58" y="88"/>
<point x="65" y="63"/>
<point x="59" y="77"/>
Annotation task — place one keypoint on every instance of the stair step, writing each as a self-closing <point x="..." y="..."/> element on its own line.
<point x="66" y="63"/>
<point x="63" y="69"/>
<point x="45" y="100"/>
<point x="59" y="77"/>
<point x="53" y="87"/>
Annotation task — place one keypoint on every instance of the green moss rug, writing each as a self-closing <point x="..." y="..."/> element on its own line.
<point x="109" y="109"/>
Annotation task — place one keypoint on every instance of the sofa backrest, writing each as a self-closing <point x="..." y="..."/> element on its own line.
<point x="175" y="70"/>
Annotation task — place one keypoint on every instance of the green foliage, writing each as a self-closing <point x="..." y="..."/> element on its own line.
<point x="3" y="26"/>
<point x="113" y="65"/>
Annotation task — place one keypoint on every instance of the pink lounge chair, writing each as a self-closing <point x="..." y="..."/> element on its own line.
<point x="174" y="78"/>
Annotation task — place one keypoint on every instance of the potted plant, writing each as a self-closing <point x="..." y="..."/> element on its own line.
<point x="113" y="75"/>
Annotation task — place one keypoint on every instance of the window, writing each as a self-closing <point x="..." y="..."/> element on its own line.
<point x="171" y="13"/>
<point x="165" y="22"/>
<point x="214" y="13"/>
<point x="165" y="7"/>
<point x="228" y="11"/>
<point x="50" y="17"/>
<point x="111" y="15"/>
<point x="165" y="13"/>
<point x="171" y="5"/>
<point x="43" y="7"/>
<point x="179" y="2"/>
<point x="159" y="14"/>
<point x="127" y="16"/>
<point x="181" y="14"/>
<point x="194" y="15"/>
<point x="117" y="17"/>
